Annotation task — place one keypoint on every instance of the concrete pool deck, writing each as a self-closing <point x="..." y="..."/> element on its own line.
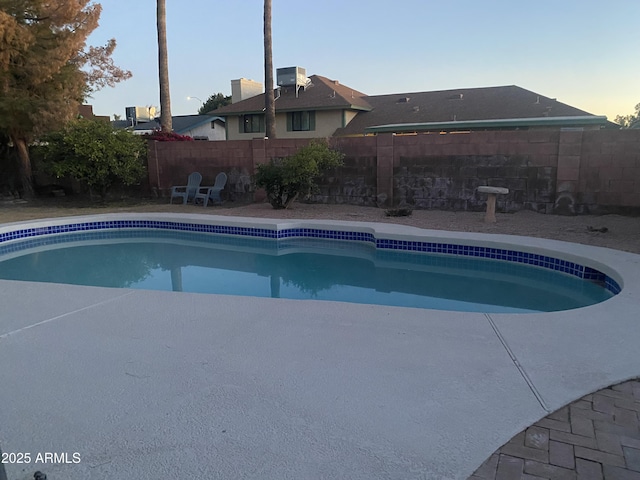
<point x="145" y="384"/>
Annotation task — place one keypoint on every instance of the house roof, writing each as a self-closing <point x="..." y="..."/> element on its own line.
<point x="442" y="106"/>
<point x="321" y="94"/>
<point x="458" y="105"/>
<point x="181" y="123"/>
<point x="122" y="124"/>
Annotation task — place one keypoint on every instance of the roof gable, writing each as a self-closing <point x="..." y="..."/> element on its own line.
<point x="321" y="94"/>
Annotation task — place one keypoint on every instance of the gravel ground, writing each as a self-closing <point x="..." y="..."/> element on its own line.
<point x="622" y="232"/>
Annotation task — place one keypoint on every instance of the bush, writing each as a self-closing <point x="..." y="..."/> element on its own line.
<point x="160" y="136"/>
<point x="96" y="154"/>
<point x="284" y="179"/>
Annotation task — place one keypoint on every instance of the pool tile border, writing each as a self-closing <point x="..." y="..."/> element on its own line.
<point x="543" y="261"/>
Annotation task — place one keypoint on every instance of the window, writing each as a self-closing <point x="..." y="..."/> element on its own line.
<point x="251" y="123"/>
<point x="301" y="121"/>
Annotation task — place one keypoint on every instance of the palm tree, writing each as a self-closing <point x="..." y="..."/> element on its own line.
<point x="269" y="100"/>
<point x="163" y="68"/>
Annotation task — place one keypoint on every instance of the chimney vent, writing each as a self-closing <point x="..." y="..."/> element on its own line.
<point x="244" y="88"/>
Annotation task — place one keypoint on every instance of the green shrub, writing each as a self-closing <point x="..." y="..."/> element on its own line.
<point x="96" y="154"/>
<point x="284" y="179"/>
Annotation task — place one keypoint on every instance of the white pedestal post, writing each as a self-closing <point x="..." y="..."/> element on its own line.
<point x="490" y="215"/>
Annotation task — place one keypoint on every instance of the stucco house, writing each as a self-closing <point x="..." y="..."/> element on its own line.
<point x="200" y="127"/>
<point x="315" y="106"/>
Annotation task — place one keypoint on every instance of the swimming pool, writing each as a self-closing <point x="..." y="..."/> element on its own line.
<point x="301" y="262"/>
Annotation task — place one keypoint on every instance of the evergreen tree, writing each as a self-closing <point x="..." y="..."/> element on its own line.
<point x="45" y="70"/>
<point x="626" y="121"/>
<point x="213" y="102"/>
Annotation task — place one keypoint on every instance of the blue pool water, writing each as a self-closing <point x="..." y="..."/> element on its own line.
<point x="302" y="268"/>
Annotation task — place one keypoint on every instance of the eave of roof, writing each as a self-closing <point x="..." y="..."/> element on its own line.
<point x="576" y="121"/>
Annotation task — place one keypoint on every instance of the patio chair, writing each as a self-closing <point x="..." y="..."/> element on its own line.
<point x="187" y="192"/>
<point x="212" y="193"/>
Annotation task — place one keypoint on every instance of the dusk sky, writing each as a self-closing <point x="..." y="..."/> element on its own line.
<point x="585" y="53"/>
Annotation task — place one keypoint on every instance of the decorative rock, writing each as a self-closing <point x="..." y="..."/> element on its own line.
<point x="490" y="215"/>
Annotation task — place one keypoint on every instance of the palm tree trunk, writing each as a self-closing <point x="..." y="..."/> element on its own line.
<point x="269" y="100"/>
<point x="163" y="68"/>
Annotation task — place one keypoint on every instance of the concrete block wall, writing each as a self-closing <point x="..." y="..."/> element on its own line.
<point x="609" y="172"/>
<point x="443" y="171"/>
<point x="170" y="163"/>
<point x="450" y="183"/>
<point x="355" y="183"/>
<point x="564" y="171"/>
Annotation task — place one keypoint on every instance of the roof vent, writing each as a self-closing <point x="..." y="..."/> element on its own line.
<point x="457" y="96"/>
<point x="403" y="100"/>
<point x="135" y="115"/>
<point x="291" y="76"/>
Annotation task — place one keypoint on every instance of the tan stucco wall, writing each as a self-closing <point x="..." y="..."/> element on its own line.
<point x="349" y="115"/>
<point x="326" y="123"/>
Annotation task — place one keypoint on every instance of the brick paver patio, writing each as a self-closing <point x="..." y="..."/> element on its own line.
<point x="594" y="438"/>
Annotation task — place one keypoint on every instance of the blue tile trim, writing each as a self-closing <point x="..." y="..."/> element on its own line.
<point x="543" y="261"/>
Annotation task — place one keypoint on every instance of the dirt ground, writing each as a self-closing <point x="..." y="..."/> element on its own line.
<point x="622" y="232"/>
